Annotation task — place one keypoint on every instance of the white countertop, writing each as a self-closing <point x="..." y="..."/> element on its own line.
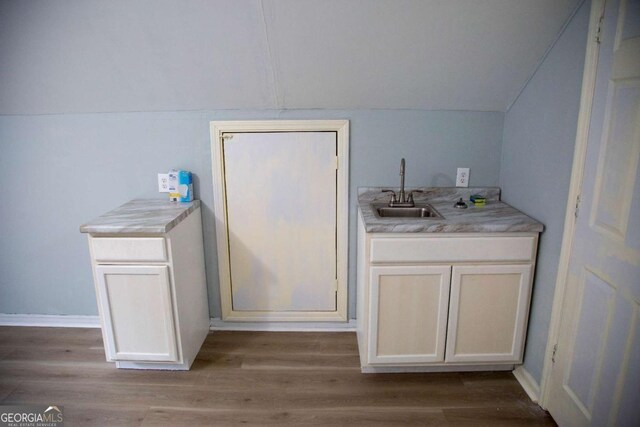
<point x="141" y="216"/>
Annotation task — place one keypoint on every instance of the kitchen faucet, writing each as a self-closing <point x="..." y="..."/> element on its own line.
<point x="401" y="194"/>
<point x="401" y="200"/>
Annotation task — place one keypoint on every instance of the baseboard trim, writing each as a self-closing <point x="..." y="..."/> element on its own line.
<point x="49" y="321"/>
<point x="414" y="369"/>
<point x="218" y="324"/>
<point x="528" y="383"/>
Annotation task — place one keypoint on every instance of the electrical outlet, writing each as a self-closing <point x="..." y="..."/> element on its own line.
<point x="462" y="177"/>
<point x="163" y="182"/>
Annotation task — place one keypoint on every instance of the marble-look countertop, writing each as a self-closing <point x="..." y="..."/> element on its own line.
<point x="495" y="216"/>
<point x="141" y="216"/>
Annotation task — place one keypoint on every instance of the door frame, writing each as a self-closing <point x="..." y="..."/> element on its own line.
<point x="575" y="189"/>
<point x="341" y="127"/>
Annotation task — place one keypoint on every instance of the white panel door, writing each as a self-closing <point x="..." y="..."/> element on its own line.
<point x="595" y="376"/>
<point x="488" y="311"/>
<point x="138" y="316"/>
<point x="408" y="316"/>
<point x="281" y="191"/>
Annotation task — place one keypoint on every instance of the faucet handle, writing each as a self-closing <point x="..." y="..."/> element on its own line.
<point x="410" y="197"/>
<point x="394" y="198"/>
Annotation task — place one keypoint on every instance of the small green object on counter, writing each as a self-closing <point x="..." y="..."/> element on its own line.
<point x="478" y="200"/>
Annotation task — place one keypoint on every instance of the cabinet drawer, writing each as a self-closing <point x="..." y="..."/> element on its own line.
<point x="131" y="249"/>
<point x="452" y="249"/>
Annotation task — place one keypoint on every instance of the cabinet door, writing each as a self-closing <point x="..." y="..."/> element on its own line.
<point x="488" y="313"/>
<point x="408" y="316"/>
<point x="138" y="317"/>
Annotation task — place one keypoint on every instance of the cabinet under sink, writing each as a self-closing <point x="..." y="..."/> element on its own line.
<point x="443" y="301"/>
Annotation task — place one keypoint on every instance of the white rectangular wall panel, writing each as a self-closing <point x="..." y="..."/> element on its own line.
<point x="281" y="195"/>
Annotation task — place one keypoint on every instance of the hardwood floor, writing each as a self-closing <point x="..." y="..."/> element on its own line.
<point x="261" y="378"/>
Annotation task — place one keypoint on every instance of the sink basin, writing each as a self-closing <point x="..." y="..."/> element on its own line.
<point x="421" y="211"/>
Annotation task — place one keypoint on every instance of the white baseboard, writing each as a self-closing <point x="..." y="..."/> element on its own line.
<point x="62" y="321"/>
<point x="414" y="369"/>
<point x="51" y="321"/>
<point x="528" y="383"/>
<point x="218" y="324"/>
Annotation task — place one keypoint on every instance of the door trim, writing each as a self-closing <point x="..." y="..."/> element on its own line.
<point x="575" y="188"/>
<point x="341" y="127"/>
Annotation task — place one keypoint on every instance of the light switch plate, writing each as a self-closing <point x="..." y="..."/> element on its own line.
<point x="163" y="182"/>
<point x="462" y="177"/>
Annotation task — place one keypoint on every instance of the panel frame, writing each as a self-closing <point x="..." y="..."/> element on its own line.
<point x="341" y="128"/>
<point x="114" y="353"/>
<point x="443" y="306"/>
<point x="521" y="317"/>
<point x="619" y="230"/>
<point x="587" y="407"/>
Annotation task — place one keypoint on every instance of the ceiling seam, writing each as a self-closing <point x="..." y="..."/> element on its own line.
<point x="279" y="111"/>
<point x="272" y="62"/>
<point x="545" y="54"/>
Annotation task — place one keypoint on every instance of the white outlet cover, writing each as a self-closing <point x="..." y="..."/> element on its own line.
<point x="462" y="177"/>
<point x="163" y="182"/>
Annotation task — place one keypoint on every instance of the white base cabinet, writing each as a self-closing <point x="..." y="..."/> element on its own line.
<point x="438" y="302"/>
<point x="152" y="296"/>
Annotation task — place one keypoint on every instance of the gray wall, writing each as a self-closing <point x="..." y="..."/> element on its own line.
<point x="537" y="156"/>
<point x="80" y="56"/>
<point x="62" y="170"/>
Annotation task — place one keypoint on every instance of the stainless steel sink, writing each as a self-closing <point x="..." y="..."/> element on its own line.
<point x="422" y="211"/>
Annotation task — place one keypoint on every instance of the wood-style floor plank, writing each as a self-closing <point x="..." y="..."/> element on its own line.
<point x="104" y="415"/>
<point x="498" y="416"/>
<point x="298" y="417"/>
<point x="259" y="378"/>
<point x="7" y="385"/>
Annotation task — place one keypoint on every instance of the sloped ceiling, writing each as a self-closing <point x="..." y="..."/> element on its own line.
<point x="160" y="55"/>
